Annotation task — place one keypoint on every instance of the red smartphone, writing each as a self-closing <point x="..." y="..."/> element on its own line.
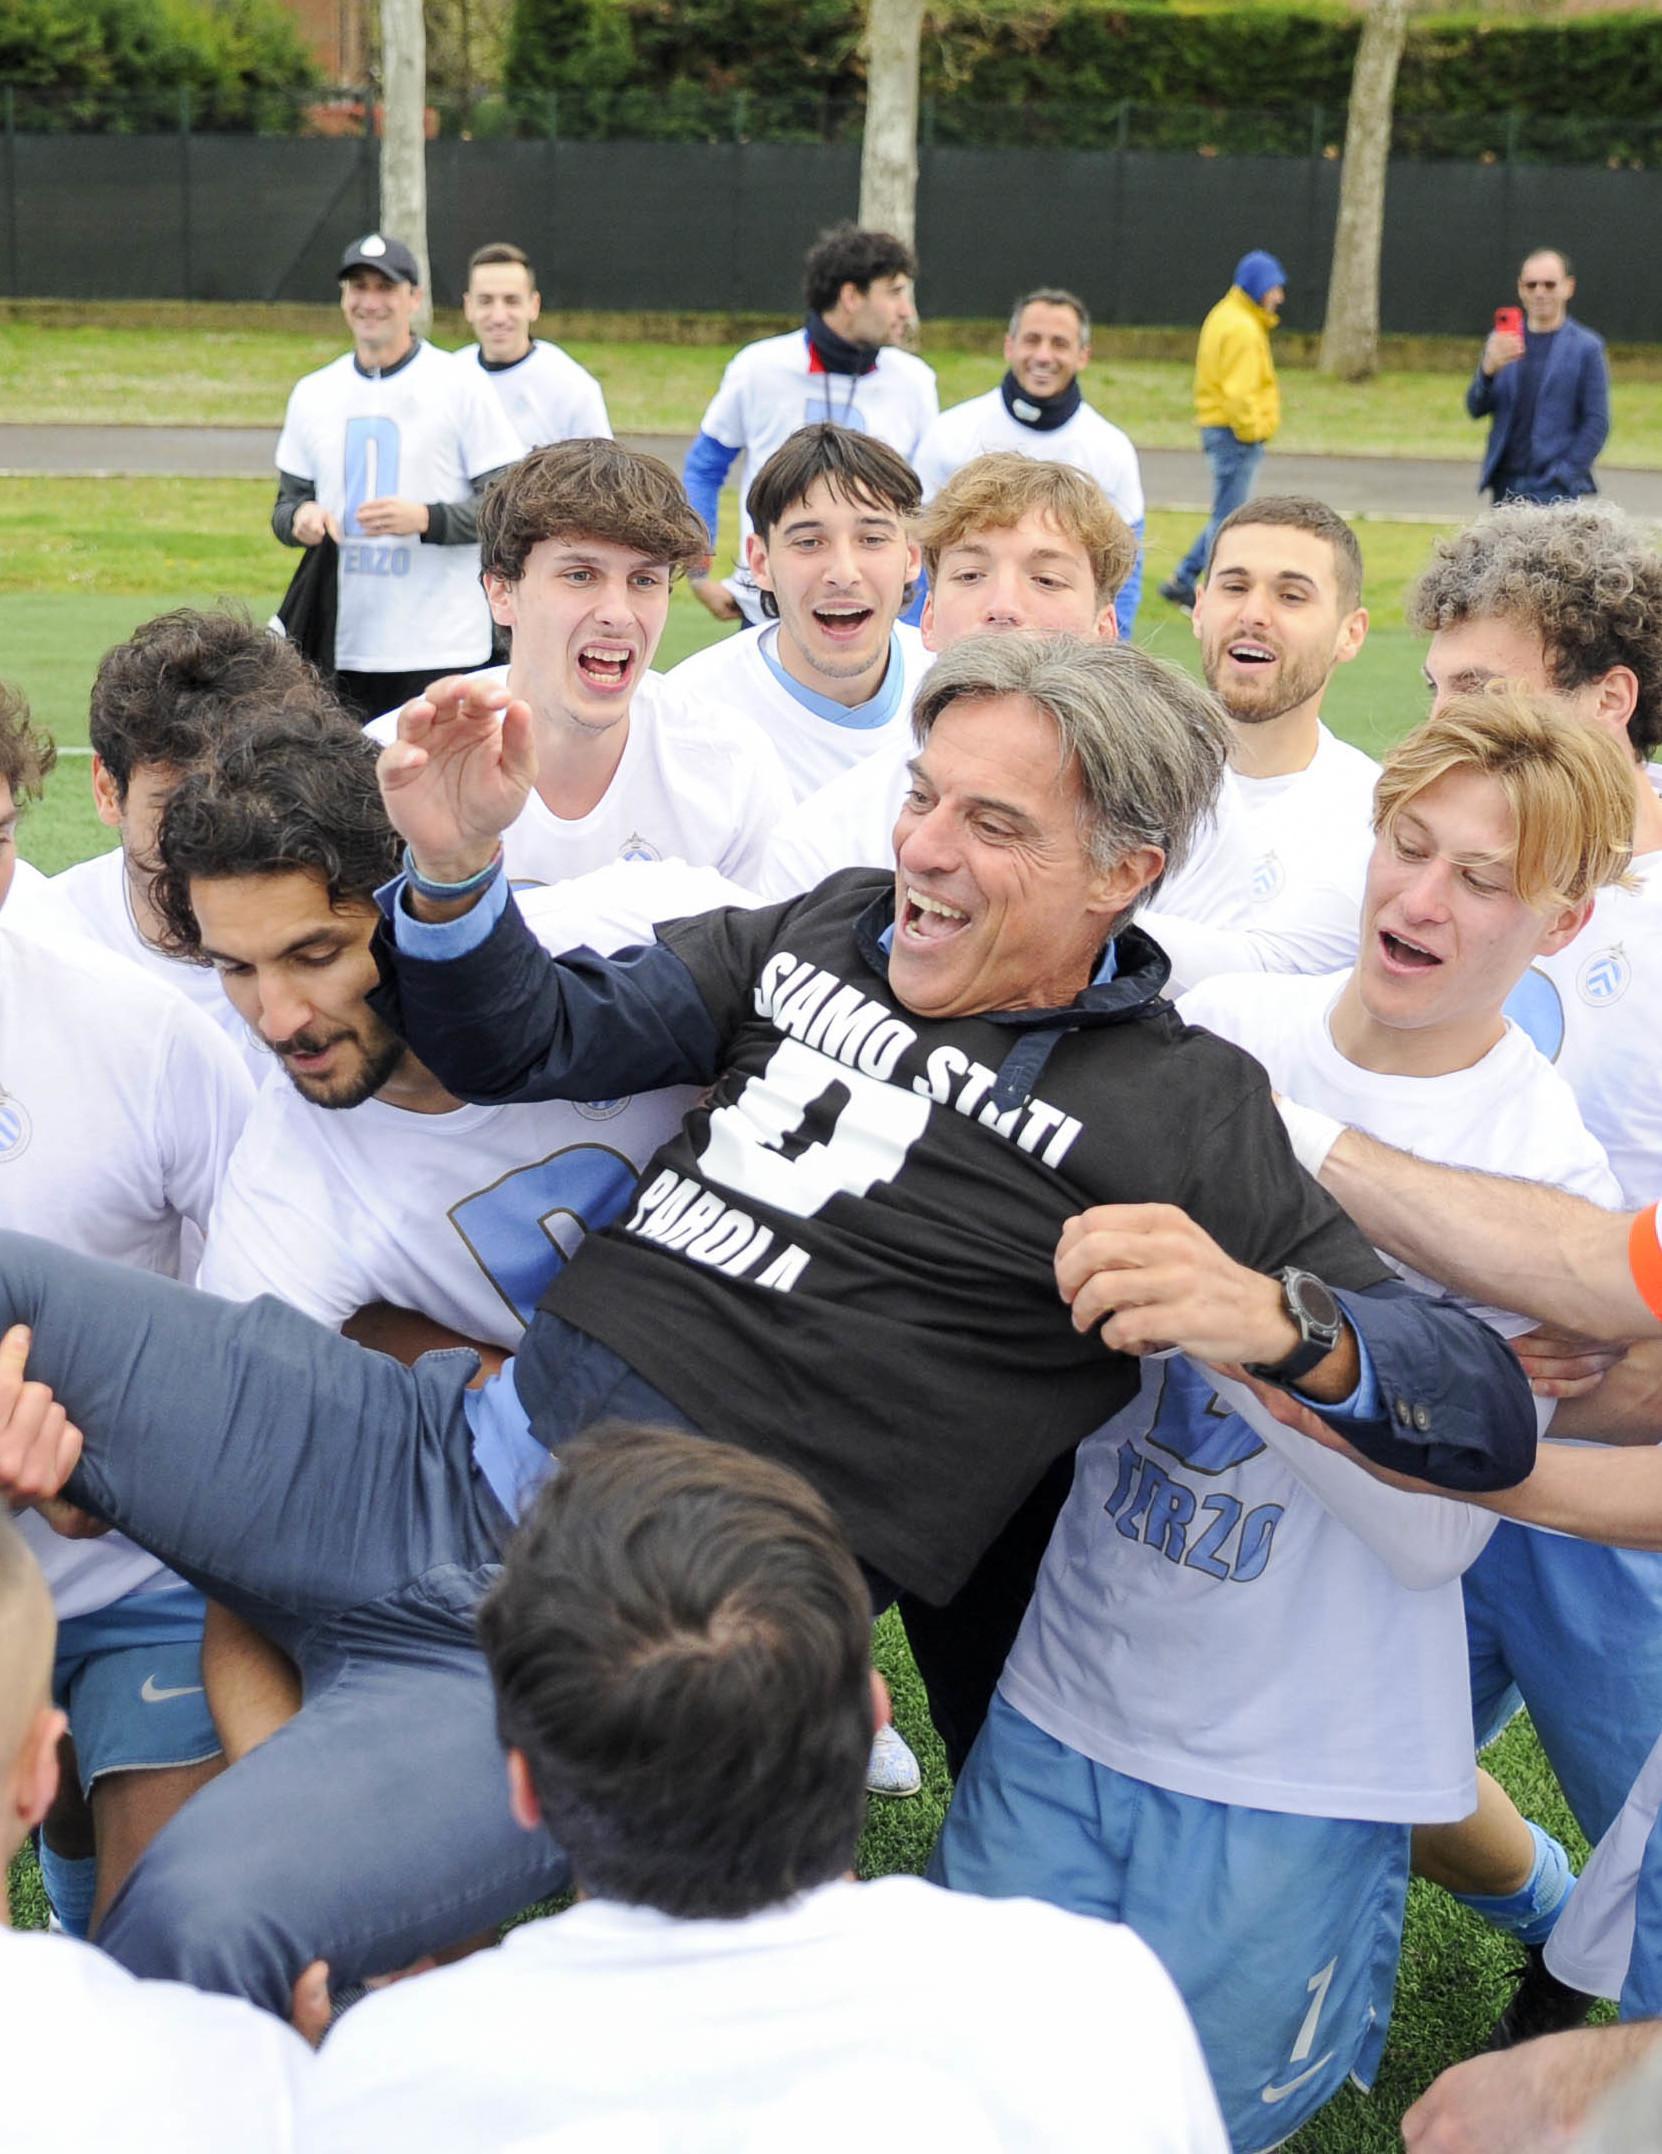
<point x="1509" y="321"/>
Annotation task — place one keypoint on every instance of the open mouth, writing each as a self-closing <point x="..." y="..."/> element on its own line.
<point x="929" y="919"/>
<point x="606" y="667"/>
<point x="1401" y="955"/>
<point x="843" y="624"/>
<point x="1252" y="654"/>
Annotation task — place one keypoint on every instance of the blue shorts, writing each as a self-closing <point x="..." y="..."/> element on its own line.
<point x="130" y="1678"/>
<point x="1281" y="1932"/>
<point x="1575" y="1630"/>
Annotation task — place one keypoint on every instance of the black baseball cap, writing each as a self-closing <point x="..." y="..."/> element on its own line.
<point x="375" y="251"/>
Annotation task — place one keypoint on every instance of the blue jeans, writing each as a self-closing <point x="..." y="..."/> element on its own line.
<point x="329" y="1496"/>
<point x="1234" y="465"/>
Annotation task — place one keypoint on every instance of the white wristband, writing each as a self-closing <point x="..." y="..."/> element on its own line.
<point x="1313" y="1135"/>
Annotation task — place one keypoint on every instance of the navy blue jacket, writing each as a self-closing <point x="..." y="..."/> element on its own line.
<point x="1572" y="416"/>
<point x="843" y="1258"/>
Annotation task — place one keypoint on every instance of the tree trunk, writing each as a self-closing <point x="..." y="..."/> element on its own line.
<point x="404" y="134"/>
<point x="1350" y="336"/>
<point x="889" y="156"/>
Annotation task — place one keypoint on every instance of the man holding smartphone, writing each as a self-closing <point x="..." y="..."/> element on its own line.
<point x="1544" y="387"/>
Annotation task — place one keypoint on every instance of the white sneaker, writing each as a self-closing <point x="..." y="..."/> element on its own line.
<point x="893" y="1770"/>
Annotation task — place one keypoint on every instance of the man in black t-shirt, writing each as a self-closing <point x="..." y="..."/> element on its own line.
<point x="844" y="1259"/>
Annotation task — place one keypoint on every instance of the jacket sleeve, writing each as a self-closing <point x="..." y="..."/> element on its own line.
<point x="1592" y="415"/>
<point x="506" y="1021"/>
<point x="1480" y="393"/>
<point x="1454" y="1406"/>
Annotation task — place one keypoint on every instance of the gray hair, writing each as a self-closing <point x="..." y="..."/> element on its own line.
<point x="1052" y="295"/>
<point x="1149" y="743"/>
<point x="1585" y="576"/>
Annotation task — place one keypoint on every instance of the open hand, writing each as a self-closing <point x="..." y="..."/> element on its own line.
<point x="458" y="774"/>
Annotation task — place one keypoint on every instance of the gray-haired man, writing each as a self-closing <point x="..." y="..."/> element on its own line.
<point x="844" y="1261"/>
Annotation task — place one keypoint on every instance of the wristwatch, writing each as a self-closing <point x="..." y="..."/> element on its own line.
<point x="1320" y="1324"/>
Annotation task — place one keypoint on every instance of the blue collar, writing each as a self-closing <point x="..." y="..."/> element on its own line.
<point x="864" y="716"/>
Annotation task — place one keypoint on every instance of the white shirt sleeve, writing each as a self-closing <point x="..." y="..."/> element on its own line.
<point x="765" y="801"/>
<point x="202" y="1100"/>
<point x="933" y="461"/>
<point x="1316" y="931"/>
<point x="724" y="419"/>
<point x="589" y="413"/>
<point x="488" y="440"/>
<point x="294" y="452"/>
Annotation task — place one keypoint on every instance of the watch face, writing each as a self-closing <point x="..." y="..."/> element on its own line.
<point x="1313" y="1302"/>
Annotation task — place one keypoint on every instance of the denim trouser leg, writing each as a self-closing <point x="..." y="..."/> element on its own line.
<point x="277" y="1465"/>
<point x="370" y="1830"/>
<point x="1234" y="464"/>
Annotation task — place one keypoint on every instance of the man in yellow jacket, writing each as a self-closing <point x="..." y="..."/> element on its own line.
<point x="1237" y="404"/>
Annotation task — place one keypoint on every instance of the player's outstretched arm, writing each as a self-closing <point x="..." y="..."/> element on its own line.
<point x="455" y="778"/>
<point x="1531" y="2099"/>
<point x="1514" y="1245"/>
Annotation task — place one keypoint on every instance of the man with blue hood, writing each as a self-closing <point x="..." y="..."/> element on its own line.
<point x="1237" y="403"/>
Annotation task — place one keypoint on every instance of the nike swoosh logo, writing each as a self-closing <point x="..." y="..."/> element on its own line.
<point x="1280" y="2094"/>
<point x="152" y="1696"/>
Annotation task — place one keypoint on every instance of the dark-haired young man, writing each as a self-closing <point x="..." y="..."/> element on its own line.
<point x="680" y="1649"/>
<point x="363" y="1192"/>
<point x="161" y="699"/>
<point x="545" y="393"/>
<point x="842" y="368"/>
<point x="581" y="542"/>
<point x="385" y="451"/>
<point x="830" y="674"/>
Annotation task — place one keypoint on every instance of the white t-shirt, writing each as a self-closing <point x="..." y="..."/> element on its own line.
<point x="1022" y="2028"/>
<point x="1592" y="1011"/>
<point x="1204" y="1619"/>
<point x="818" y="740"/>
<point x="95" y="900"/>
<point x="423" y="431"/>
<point x="464" y="1217"/>
<point x="97" y="2058"/>
<point x="119" y="1107"/>
<point x="693" y="784"/>
<point x="1592" y="1941"/>
<point x="1310" y="837"/>
<point x="770" y="389"/>
<point x="547" y="396"/>
<point x="850" y="824"/>
<point x="33" y="904"/>
<point x="1087" y="441"/>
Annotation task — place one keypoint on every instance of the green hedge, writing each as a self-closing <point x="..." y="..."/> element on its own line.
<point x="130" y="66"/>
<point x="1064" y="70"/>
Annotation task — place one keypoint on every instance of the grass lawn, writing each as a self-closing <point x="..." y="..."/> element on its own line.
<point x="228" y="370"/>
<point x="83" y="560"/>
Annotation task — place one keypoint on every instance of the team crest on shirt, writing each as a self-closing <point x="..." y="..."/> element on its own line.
<point x="15" y="1128"/>
<point x="1605" y="977"/>
<point x="635" y="847"/>
<point x="601" y="1110"/>
<point x="1268" y="878"/>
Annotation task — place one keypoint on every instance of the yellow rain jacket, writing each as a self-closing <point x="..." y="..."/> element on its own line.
<point x="1234" y="373"/>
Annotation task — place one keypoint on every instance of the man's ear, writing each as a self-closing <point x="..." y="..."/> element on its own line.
<point x="502" y="598"/>
<point x="1561" y="928"/>
<point x="1617" y="699"/>
<point x="35" y="1775"/>
<point x="1115" y="890"/>
<point x="106" y="794"/>
<point x="1353" y="633"/>
<point x="1108" y="624"/>
<point x="756" y="560"/>
<point x="522" y="1796"/>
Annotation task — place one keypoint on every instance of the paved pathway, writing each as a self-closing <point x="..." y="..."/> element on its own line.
<point x="1419" y="488"/>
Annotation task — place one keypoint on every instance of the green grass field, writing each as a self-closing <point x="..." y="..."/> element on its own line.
<point x="224" y="368"/>
<point x="83" y="560"/>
